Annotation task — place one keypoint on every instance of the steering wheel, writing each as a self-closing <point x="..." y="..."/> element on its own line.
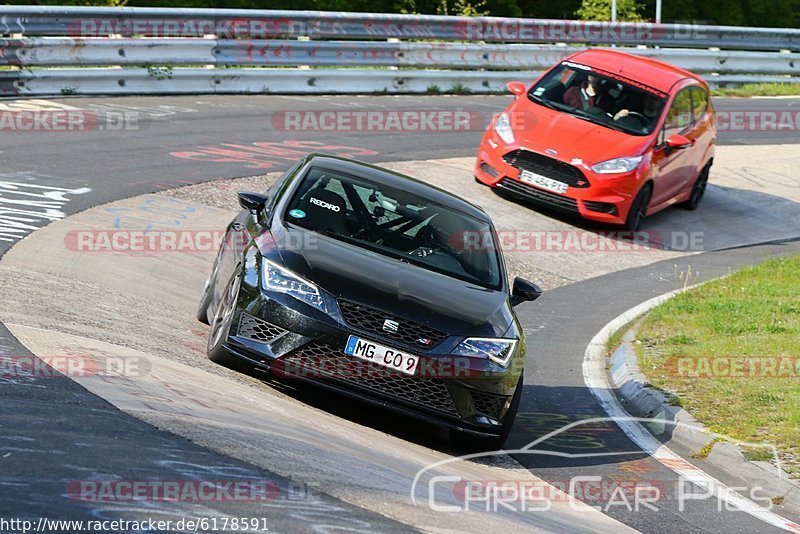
<point x="425" y="242"/>
<point x="427" y="239"/>
<point x="641" y="118"/>
<point x="638" y="116"/>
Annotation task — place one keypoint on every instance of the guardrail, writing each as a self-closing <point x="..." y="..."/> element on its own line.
<point x="279" y="53"/>
<point x="193" y="50"/>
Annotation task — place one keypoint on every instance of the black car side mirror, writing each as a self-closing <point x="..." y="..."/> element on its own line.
<point x="523" y="291"/>
<point x="253" y="202"/>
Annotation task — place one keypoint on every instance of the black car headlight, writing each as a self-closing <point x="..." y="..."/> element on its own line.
<point x="499" y="350"/>
<point x="282" y="280"/>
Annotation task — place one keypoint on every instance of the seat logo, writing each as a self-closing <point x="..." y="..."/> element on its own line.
<point x="323" y="204"/>
<point x="390" y="326"/>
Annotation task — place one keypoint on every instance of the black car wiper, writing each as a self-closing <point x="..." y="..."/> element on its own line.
<point x="361" y="243"/>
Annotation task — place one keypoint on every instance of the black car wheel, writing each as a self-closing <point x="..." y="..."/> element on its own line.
<point x="638" y="209"/>
<point x="467" y="442"/>
<point x="698" y="190"/>
<point x="208" y="291"/>
<point x="221" y="324"/>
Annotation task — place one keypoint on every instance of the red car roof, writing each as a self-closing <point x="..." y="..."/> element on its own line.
<point x="656" y="74"/>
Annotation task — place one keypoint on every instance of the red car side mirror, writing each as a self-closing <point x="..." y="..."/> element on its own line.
<point x="516" y="87"/>
<point x="678" y="141"/>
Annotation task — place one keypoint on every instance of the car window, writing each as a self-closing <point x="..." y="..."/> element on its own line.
<point x="679" y="116"/>
<point x="699" y="103"/>
<point x="395" y="223"/>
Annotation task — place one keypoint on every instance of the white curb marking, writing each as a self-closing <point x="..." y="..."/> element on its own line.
<point x="595" y="378"/>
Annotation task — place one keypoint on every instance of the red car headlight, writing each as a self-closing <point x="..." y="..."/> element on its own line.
<point x="503" y="128"/>
<point x="617" y="165"/>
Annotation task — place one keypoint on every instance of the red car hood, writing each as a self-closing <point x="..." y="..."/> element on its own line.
<point x="547" y="130"/>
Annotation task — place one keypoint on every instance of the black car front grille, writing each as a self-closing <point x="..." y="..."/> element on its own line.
<point x="546" y="166"/>
<point x="258" y="329"/>
<point x="488" y="404"/>
<point x="372" y="320"/>
<point x="539" y="195"/>
<point x="323" y="361"/>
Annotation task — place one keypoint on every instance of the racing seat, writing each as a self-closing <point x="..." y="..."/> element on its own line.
<point x="325" y="211"/>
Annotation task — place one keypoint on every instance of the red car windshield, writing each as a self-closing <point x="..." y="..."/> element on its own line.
<point x="600" y="98"/>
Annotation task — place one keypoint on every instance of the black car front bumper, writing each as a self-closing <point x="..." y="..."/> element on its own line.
<point x="472" y="398"/>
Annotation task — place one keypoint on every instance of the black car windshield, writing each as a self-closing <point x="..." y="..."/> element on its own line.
<point x="396" y="224"/>
<point x="602" y="99"/>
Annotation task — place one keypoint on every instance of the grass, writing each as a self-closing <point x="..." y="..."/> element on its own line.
<point x="757" y="455"/>
<point x="615" y="340"/>
<point x="703" y="453"/>
<point x="730" y="351"/>
<point x="760" y="89"/>
<point x="459" y="89"/>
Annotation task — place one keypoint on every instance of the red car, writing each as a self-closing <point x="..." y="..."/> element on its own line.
<point x="606" y="135"/>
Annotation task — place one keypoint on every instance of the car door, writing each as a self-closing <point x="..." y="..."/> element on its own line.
<point x="703" y="131"/>
<point x="674" y="166"/>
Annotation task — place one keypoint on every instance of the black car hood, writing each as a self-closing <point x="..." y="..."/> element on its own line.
<point x="403" y="290"/>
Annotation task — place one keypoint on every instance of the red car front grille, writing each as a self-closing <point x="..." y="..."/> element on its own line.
<point x="551" y="168"/>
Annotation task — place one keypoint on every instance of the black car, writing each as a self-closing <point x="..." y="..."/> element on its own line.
<point x="375" y="285"/>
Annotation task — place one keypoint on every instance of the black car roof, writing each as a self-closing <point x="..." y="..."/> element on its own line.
<point x="390" y="178"/>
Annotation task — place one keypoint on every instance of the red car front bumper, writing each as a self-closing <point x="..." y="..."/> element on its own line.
<point x="607" y="198"/>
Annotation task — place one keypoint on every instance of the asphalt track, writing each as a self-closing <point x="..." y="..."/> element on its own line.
<point x="181" y="140"/>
